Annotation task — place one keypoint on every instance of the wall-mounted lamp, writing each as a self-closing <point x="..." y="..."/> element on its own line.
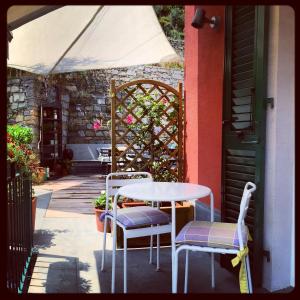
<point x="200" y="18"/>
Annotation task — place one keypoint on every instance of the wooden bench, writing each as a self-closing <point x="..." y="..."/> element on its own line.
<point x="85" y="159"/>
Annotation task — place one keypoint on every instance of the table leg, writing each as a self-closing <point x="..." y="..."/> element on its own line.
<point x="173" y="236"/>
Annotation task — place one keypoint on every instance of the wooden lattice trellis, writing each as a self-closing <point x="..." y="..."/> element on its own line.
<point x="147" y="129"/>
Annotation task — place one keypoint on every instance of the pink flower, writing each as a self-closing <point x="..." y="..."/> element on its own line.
<point x="164" y="101"/>
<point x="97" y="125"/>
<point x="129" y="119"/>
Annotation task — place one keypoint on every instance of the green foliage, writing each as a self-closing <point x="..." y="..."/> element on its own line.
<point x="161" y="171"/>
<point x="20" y="134"/>
<point x="171" y="19"/>
<point x="172" y="65"/>
<point x="152" y="112"/>
<point x="19" y="150"/>
<point x="100" y="201"/>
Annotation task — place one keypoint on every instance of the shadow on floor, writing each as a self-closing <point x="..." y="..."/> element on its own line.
<point x="58" y="274"/>
<point x="42" y="238"/>
<point x="143" y="277"/>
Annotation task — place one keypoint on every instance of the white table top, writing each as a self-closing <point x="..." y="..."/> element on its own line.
<point x="164" y="191"/>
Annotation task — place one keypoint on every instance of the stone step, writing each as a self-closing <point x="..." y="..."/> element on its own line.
<point x="85" y="167"/>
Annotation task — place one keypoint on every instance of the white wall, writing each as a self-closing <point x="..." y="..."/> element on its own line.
<point x="280" y="152"/>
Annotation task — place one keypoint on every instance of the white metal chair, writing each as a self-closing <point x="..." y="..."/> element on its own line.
<point x="217" y="237"/>
<point x="153" y="220"/>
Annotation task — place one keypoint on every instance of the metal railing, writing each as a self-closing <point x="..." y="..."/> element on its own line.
<point x="19" y="230"/>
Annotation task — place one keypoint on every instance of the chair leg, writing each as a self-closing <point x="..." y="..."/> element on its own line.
<point x="151" y="248"/>
<point x="249" y="275"/>
<point x="125" y="264"/>
<point x="113" y="273"/>
<point x="174" y="287"/>
<point x="157" y="252"/>
<point x="104" y="244"/>
<point x="186" y="273"/>
<point x="212" y="270"/>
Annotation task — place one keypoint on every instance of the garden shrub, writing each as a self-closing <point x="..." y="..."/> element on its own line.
<point x="20" y="134"/>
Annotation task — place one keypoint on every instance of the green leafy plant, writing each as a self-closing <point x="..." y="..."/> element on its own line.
<point x="19" y="150"/>
<point x="38" y="176"/>
<point x="171" y="19"/>
<point x="172" y="65"/>
<point x="20" y="134"/>
<point x="100" y="201"/>
<point x="147" y="116"/>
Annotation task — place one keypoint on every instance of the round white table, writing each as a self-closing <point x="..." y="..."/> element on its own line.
<point x="167" y="192"/>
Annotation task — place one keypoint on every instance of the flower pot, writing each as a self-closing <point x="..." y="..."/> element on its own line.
<point x="33" y="211"/>
<point x="132" y="204"/>
<point x="58" y="169"/>
<point x="100" y="224"/>
<point x="65" y="172"/>
<point x="68" y="154"/>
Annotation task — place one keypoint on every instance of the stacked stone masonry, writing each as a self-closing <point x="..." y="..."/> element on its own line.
<point x="23" y="104"/>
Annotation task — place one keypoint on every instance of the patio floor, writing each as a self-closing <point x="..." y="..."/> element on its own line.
<point x="70" y="249"/>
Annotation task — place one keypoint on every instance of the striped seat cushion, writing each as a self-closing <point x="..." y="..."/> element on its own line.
<point x="140" y="216"/>
<point x="207" y="234"/>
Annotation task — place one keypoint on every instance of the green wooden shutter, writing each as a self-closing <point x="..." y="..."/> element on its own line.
<point x="244" y="123"/>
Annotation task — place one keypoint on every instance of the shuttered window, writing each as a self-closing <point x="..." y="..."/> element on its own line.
<point x="242" y="83"/>
<point x="244" y="123"/>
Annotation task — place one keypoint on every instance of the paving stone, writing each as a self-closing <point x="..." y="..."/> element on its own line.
<point x="61" y="281"/>
<point x="36" y="289"/>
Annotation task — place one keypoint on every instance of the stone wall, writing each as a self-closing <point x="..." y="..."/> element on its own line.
<point x="178" y="45"/>
<point x="86" y="95"/>
<point x="24" y="96"/>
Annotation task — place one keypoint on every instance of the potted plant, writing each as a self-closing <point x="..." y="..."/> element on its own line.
<point x="22" y="158"/>
<point x="19" y="150"/>
<point x="66" y="166"/>
<point x="38" y="176"/>
<point x="99" y="206"/>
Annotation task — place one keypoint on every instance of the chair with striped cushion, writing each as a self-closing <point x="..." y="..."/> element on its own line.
<point x="218" y="237"/>
<point x="135" y="221"/>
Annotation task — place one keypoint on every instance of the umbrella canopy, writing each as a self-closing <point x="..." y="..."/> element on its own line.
<point x="77" y="38"/>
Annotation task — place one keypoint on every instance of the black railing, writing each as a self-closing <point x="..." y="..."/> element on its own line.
<point x="19" y="229"/>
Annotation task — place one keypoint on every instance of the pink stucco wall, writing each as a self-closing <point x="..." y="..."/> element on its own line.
<point x="204" y="66"/>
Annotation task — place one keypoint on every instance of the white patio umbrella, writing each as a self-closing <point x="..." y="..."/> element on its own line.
<point x="77" y="38"/>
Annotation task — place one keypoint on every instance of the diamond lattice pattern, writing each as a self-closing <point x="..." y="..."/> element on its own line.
<point x="147" y="123"/>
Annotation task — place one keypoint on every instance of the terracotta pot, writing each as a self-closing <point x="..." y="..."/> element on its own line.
<point x="132" y="204"/>
<point x="68" y="154"/>
<point x="100" y="225"/>
<point x="65" y="172"/>
<point x="58" y="169"/>
<point x="33" y="211"/>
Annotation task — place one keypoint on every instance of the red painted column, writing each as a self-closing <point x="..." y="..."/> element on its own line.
<point x="204" y="69"/>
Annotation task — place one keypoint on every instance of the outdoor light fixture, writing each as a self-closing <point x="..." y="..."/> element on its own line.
<point x="200" y="18"/>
